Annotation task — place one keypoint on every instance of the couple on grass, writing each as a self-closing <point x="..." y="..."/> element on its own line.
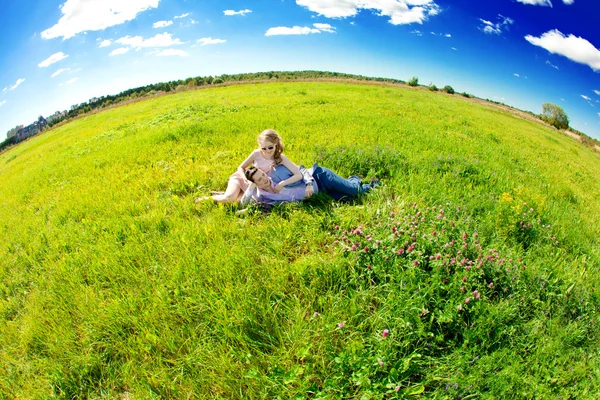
<point x="267" y="176"/>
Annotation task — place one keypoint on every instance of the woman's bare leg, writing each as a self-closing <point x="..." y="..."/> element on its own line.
<point x="232" y="194"/>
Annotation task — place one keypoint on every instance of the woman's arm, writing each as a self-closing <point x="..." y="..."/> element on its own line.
<point x="297" y="175"/>
<point x="246" y="163"/>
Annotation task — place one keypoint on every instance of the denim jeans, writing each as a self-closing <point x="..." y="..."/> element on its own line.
<point x="337" y="187"/>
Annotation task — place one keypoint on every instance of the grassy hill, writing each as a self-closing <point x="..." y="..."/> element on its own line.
<point x="473" y="272"/>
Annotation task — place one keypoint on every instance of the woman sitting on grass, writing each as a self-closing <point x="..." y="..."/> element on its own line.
<point x="268" y="156"/>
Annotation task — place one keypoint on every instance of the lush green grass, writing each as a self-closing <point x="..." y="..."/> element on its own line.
<point x="114" y="284"/>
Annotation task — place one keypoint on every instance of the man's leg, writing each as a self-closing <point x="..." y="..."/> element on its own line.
<point x="338" y="187"/>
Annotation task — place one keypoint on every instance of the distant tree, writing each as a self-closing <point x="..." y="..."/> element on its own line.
<point x="448" y="89"/>
<point x="555" y="116"/>
<point x="414" y="81"/>
<point x="465" y="94"/>
<point x="433" y="88"/>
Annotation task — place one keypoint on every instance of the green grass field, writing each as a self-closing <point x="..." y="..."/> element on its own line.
<point x="473" y="272"/>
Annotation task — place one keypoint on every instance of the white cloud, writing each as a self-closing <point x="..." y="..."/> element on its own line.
<point x="300" y="30"/>
<point x="491" y="28"/>
<point x="2" y="103"/>
<point x="71" y="81"/>
<point x="59" y="71"/>
<point x="16" y="85"/>
<point x="399" y="11"/>
<point x="162" y="24"/>
<point x="568" y="2"/>
<point x="517" y="75"/>
<point x="56" y="57"/>
<point x="448" y="35"/>
<point x="597" y="92"/>
<point x="171" y="52"/>
<point x="209" y="40"/>
<point x="550" y="64"/>
<point x="586" y="98"/>
<point x="453" y="48"/>
<point x="574" y="48"/>
<point x="105" y="43"/>
<point x="181" y="16"/>
<point x="232" y="12"/>
<point x="193" y="21"/>
<point x="94" y="15"/>
<point x="159" y="40"/>
<point x="120" y="50"/>
<point x="547" y="3"/>
<point x="417" y="32"/>
<point x="325" y="28"/>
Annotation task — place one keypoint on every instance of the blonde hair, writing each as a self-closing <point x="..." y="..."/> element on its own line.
<point x="272" y="136"/>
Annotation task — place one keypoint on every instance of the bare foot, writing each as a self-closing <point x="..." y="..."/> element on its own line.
<point x="201" y="199"/>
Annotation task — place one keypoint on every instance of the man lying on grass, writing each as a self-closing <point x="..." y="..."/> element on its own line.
<point x="316" y="179"/>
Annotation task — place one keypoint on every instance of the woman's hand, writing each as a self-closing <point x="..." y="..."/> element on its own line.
<point x="309" y="191"/>
<point x="279" y="187"/>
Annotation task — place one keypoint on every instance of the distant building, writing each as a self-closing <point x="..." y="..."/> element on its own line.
<point x="32" y="129"/>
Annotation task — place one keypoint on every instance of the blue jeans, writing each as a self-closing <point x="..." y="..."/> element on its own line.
<point x="337" y="187"/>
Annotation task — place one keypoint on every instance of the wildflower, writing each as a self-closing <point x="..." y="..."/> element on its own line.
<point x="416" y="262"/>
<point x="385" y="333"/>
<point x="336" y="241"/>
<point x="337" y="227"/>
<point x="438" y="256"/>
<point x="341" y="325"/>
<point x="397" y="389"/>
<point x="381" y="363"/>
<point x="464" y="279"/>
<point x="467" y="300"/>
<point x="491" y="285"/>
<point x="400" y="251"/>
<point x="366" y="249"/>
<point x="476" y="294"/>
<point x="368" y="266"/>
<point x="392" y="214"/>
<point x="459" y="307"/>
<point x="315" y="314"/>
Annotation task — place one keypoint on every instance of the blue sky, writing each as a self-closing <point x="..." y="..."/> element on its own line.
<point x="56" y="53"/>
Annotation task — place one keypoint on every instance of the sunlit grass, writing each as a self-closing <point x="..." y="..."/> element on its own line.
<point x="113" y="283"/>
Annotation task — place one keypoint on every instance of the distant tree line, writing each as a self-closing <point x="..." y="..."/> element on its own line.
<point x="199" y="81"/>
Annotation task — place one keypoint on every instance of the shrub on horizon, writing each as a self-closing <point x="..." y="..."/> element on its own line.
<point x="414" y="81"/>
<point x="555" y="116"/>
<point x="448" y="89"/>
<point x="433" y="88"/>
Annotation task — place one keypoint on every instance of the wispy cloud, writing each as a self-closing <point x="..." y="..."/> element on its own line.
<point x="546" y="3"/>
<point x="495" y="28"/>
<point x="209" y="40"/>
<point x="453" y="48"/>
<point x="71" y="81"/>
<point x="13" y="87"/>
<point x="399" y="12"/>
<point x="568" y="2"/>
<point x="299" y="30"/>
<point x="59" y="71"/>
<point x="162" y="24"/>
<point x="517" y="75"/>
<point x="54" y="58"/>
<point x="597" y="92"/>
<point x="119" y="51"/>
<point x="171" y="52"/>
<point x="550" y="64"/>
<point x="181" y="16"/>
<point x="325" y="28"/>
<point x="160" y="40"/>
<point x="232" y="12"/>
<point x="105" y="43"/>
<point x="573" y="47"/>
<point x="93" y="15"/>
<point x="417" y="32"/>
<point x="2" y="103"/>
<point x="585" y="97"/>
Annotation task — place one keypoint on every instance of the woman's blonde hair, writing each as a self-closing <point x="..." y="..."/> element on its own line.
<point x="272" y="136"/>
